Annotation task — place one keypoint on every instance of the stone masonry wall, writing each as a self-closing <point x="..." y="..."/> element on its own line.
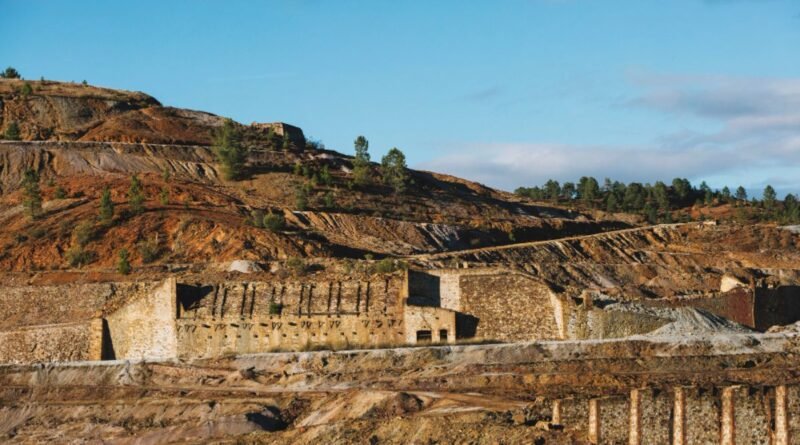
<point x="441" y="323"/>
<point x="146" y="327"/>
<point x="61" y="342"/>
<point x="199" y="338"/>
<point x="379" y="296"/>
<point x="683" y="415"/>
<point x="248" y="317"/>
<point x="435" y="288"/>
<point x="508" y="306"/>
<point x="40" y="305"/>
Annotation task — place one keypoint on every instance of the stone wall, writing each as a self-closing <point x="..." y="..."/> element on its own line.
<point x="198" y="338"/>
<point x="40" y="305"/>
<point x="684" y="415"/>
<point x="46" y="343"/>
<point x="196" y="320"/>
<point x="584" y="323"/>
<point x="776" y="306"/>
<point x="439" y="323"/>
<point x="508" y="306"/>
<point x="490" y="303"/>
<point x="435" y="288"/>
<point x="378" y="297"/>
<point x="146" y="327"/>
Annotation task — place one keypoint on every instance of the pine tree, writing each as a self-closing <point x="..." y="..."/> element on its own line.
<point x="361" y="170"/>
<point x="611" y="203"/>
<point x="106" y="213"/>
<point x="10" y="73"/>
<point x="123" y="263"/>
<point x="741" y="194"/>
<point x="301" y="198"/>
<point x="12" y="132"/>
<point x="552" y="189"/>
<point x="393" y="170"/>
<point x="229" y="150"/>
<point x="325" y="175"/>
<point x="32" y="193"/>
<point x="136" y="196"/>
<point x="769" y="197"/>
<point x="726" y="194"/>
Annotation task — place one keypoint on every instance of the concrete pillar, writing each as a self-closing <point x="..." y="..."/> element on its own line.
<point x="781" y="417"/>
<point x="556" y="412"/>
<point x="594" y="422"/>
<point x="728" y="427"/>
<point x="679" y="417"/>
<point x="635" y="421"/>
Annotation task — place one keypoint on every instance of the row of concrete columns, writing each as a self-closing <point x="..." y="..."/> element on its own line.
<point x="775" y="432"/>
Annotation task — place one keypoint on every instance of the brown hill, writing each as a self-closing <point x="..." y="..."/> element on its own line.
<point x="81" y="139"/>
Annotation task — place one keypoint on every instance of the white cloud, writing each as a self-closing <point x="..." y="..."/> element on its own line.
<point x="759" y="131"/>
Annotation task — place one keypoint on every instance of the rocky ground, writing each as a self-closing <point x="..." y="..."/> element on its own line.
<point x="465" y="394"/>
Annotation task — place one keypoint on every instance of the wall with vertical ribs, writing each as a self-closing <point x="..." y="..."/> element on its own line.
<point x="683" y="415"/>
<point x="248" y="317"/>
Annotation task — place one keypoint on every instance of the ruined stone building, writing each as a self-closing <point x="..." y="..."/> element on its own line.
<point x="174" y="319"/>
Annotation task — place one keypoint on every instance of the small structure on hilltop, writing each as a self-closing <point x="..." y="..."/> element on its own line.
<point x="282" y="130"/>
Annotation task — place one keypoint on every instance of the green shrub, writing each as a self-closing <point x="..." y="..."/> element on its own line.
<point x="148" y="249"/>
<point x="275" y="308"/>
<point x="386" y="265"/>
<point x="82" y="234"/>
<point x="256" y="218"/>
<point x="297" y="265"/>
<point x="325" y="176"/>
<point x="329" y="201"/>
<point x="301" y="198"/>
<point x="163" y="196"/>
<point x="36" y="232"/>
<point x="274" y="222"/>
<point x="12" y="132"/>
<point x="26" y="89"/>
<point x="60" y="193"/>
<point x="78" y="257"/>
<point x="123" y="264"/>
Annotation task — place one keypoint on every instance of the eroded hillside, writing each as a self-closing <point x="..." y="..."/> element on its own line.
<point x="192" y="215"/>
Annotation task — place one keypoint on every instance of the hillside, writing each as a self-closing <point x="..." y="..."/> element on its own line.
<point x="81" y="139"/>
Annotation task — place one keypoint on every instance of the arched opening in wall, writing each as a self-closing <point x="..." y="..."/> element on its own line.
<point x="424" y="336"/>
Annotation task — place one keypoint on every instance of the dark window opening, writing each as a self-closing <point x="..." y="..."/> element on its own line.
<point x="424" y="336"/>
<point x="442" y="334"/>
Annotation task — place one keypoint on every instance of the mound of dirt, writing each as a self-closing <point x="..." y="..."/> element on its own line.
<point x="685" y="321"/>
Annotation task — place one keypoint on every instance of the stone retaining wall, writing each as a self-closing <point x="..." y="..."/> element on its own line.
<point x="59" y="342"/>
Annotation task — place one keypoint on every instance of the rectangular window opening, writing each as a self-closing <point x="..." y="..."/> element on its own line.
<point x="424" y="336"/>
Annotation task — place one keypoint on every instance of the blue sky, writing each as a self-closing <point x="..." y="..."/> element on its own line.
<point x="508" y="93"/>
